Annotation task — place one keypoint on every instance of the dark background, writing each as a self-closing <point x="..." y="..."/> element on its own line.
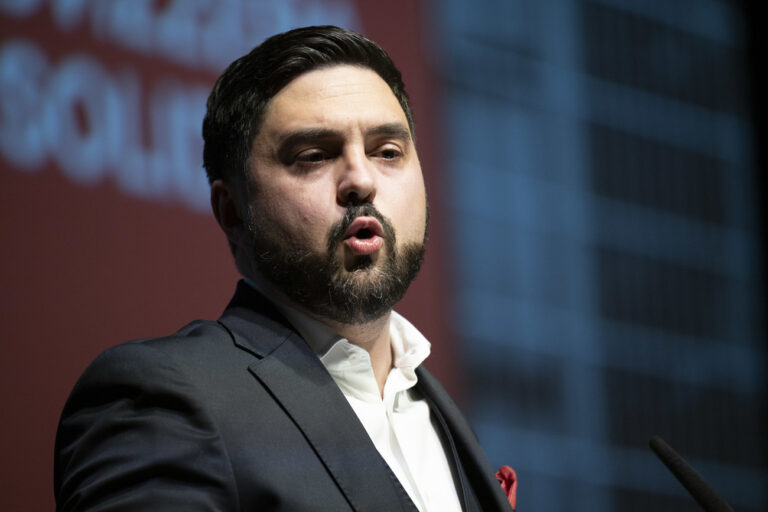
<point x="595" y="271"/>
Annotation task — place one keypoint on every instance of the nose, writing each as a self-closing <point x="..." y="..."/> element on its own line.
<point x="357" y="180"/>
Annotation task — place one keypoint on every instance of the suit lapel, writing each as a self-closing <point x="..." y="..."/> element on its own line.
<point x="472" y="462"/>
<point x="297" y="379"/>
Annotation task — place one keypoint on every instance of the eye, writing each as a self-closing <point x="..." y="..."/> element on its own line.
<point x="388" y="152"/>
<point x="311" y="157"/>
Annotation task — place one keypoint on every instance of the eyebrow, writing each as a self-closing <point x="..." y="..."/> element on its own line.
<point x="395" y="130"/>
<point x="310" y="135"/>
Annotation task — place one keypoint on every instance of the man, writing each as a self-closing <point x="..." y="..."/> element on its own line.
<point x="308" y="393"/>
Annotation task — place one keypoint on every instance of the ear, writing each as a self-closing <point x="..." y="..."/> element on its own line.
<point x="224" y="201"/>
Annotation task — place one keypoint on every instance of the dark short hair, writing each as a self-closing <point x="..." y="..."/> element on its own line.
<point x="236" y="105"/>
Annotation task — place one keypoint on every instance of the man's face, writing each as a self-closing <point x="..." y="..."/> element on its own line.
<point x="337" y="201"/>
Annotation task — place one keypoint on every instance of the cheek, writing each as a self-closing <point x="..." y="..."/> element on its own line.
<point x="411" y="211"/>
<point x="295" y="212"/>
<point x="309" y="219"/>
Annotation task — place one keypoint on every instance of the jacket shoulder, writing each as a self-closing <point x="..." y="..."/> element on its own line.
<point x="138" y="398"/>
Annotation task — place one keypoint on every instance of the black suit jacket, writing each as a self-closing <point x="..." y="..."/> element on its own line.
<point x="238" y="414"/>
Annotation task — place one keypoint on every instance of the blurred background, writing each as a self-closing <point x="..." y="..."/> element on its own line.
<point x="596" y="265"/>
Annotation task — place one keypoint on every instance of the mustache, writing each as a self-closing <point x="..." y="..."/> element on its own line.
<point x="336" y="233"/>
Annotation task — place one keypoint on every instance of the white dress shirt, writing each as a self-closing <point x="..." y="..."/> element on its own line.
<point x="398" y="423"/>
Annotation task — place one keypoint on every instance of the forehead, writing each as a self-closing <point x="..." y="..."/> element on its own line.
<point x="340" y="97"/>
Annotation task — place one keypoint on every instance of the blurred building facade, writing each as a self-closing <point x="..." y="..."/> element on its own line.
<point x="610" y="278"/>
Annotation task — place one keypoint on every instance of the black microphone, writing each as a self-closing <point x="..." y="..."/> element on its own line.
<point x="701" y="491"/>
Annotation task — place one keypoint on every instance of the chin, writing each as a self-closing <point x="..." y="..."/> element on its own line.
<point x="359" y="264"/>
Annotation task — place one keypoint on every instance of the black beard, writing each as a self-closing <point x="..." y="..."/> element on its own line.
<point x="320" y="283"/>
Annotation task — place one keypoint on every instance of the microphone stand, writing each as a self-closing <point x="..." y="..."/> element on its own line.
<point x="701" y="491"/>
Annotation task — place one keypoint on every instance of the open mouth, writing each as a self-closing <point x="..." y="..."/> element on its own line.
<point x="364" y="228"/>
<point x="364" y="236"/>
